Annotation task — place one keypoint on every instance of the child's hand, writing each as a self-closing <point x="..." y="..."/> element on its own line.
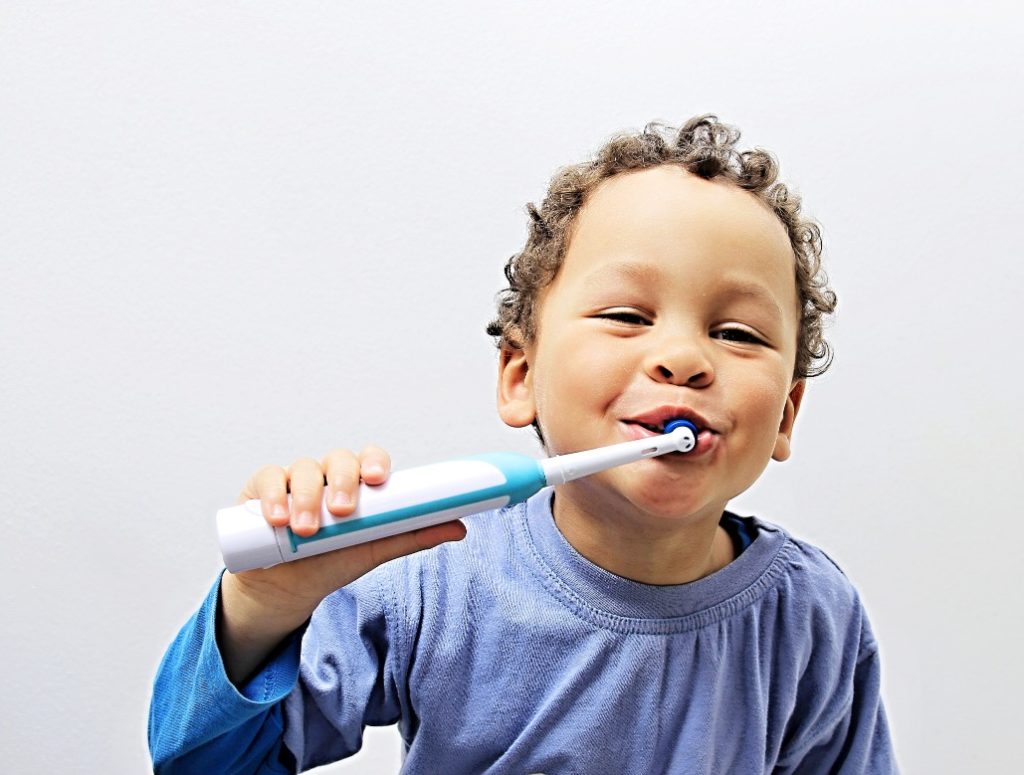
<point x="340" y="470"/>
<point x="260" y="607"/>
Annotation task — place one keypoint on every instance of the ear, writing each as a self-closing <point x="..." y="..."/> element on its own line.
<point x="782" y="442"/>
<point x="516" y="406"/>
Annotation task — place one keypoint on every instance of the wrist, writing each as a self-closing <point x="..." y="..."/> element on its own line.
<point x="259" y="606"/>
<point x="251" y="625"/>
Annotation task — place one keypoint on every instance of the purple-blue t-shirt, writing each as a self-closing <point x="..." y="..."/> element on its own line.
<point x="509" y="652"/>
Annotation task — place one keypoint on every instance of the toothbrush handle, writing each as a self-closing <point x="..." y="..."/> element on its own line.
<point x="409" y="500"/>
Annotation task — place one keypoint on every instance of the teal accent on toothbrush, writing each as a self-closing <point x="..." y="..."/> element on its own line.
<point x="523" y="477"/>
<point x="429" y="495"/>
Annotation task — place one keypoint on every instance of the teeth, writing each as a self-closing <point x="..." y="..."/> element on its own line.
<point x="660" y="428"/>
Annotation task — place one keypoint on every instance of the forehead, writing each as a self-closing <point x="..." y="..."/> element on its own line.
<point x="677" y="224"/>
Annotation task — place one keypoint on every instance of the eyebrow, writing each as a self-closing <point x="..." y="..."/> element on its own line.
<point x="631" y="271"/>
<point x="754" y="291"/>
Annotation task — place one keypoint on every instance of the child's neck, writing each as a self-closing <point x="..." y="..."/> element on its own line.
<point x="642" y="553"/>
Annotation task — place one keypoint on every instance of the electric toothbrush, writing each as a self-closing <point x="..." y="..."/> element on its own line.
<point x="415" y="498"/>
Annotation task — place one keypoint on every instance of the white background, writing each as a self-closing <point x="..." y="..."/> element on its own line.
<point x="238" y="233"/>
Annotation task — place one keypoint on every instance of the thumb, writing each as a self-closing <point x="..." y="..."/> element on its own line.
<point x="385" y="549"/>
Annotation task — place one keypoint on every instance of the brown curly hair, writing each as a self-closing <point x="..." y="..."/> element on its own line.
<point x="704" y="147"/>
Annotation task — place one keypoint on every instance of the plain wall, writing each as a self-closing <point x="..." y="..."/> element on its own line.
<point x="234" y="234"/>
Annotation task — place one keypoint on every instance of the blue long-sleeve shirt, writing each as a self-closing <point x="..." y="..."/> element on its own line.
<point x="510" y="652"/>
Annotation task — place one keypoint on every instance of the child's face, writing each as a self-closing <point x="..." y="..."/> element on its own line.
<point x="676" y="297"/>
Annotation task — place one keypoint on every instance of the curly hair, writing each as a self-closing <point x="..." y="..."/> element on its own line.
<point x="704" y="147"/>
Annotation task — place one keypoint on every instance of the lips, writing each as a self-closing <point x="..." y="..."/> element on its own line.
<point x="707" y="440"/>
<point x="655" y="419"/>
<point x="652" y="423"/>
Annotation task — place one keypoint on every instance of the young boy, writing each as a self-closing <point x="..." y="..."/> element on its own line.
<point x="624" y="623"/>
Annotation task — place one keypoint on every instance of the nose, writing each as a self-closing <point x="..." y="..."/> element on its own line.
<point x="680" y="360"/>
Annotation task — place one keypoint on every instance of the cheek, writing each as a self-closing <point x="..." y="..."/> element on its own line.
<point x="573" y="372"/>
<point x="766" y="399"/>
<point x="577" y="361"/>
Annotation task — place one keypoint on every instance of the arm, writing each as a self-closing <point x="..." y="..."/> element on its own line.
<point x="201" y="722"/>
<point x="857" y="740"/>
<point x="297" y="710"/>
<point x="218" y="703"/>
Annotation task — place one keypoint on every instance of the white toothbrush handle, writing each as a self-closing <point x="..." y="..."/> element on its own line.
<point x="409" y="500"/>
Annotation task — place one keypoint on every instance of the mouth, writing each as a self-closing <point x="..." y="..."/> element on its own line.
<point x="660" y="427"/>
<point x="656" y="420"/>
<point x="653" y="423"/>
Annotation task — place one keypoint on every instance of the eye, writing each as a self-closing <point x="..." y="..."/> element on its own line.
<point x="738" y="335"/>
<point x="629" y="317"/>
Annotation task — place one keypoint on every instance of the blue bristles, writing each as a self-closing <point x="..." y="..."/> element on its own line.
<point x="671" y="425"/>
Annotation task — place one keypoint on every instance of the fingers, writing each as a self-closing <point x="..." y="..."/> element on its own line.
<point x="340" y="470"/>
<point x="344" y="471"/>
<point x="270" y="486"/>
<point x="375" y="465"/>
<point x="306" y="482"/>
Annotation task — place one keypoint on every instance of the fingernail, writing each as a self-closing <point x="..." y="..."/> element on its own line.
<point x="279" y="511"/>
<point x="373" y="470"/>
<point x="306" y="519"/>
<point x="340" y="499"/>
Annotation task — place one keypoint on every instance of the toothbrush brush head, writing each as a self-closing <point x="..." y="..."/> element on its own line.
<point x="671" y="425"/>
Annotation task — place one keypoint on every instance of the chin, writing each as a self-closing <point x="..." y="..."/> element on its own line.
<point x="672" y="507"/>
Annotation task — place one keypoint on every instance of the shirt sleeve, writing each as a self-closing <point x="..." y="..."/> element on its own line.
<point x="352" y="671"/>
<point x="200" y="722"/>
<point x="306" y="707"/>
<point x="856" y="741"/>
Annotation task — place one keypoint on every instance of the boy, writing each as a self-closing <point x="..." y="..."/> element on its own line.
<point x="626" y="622"/>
